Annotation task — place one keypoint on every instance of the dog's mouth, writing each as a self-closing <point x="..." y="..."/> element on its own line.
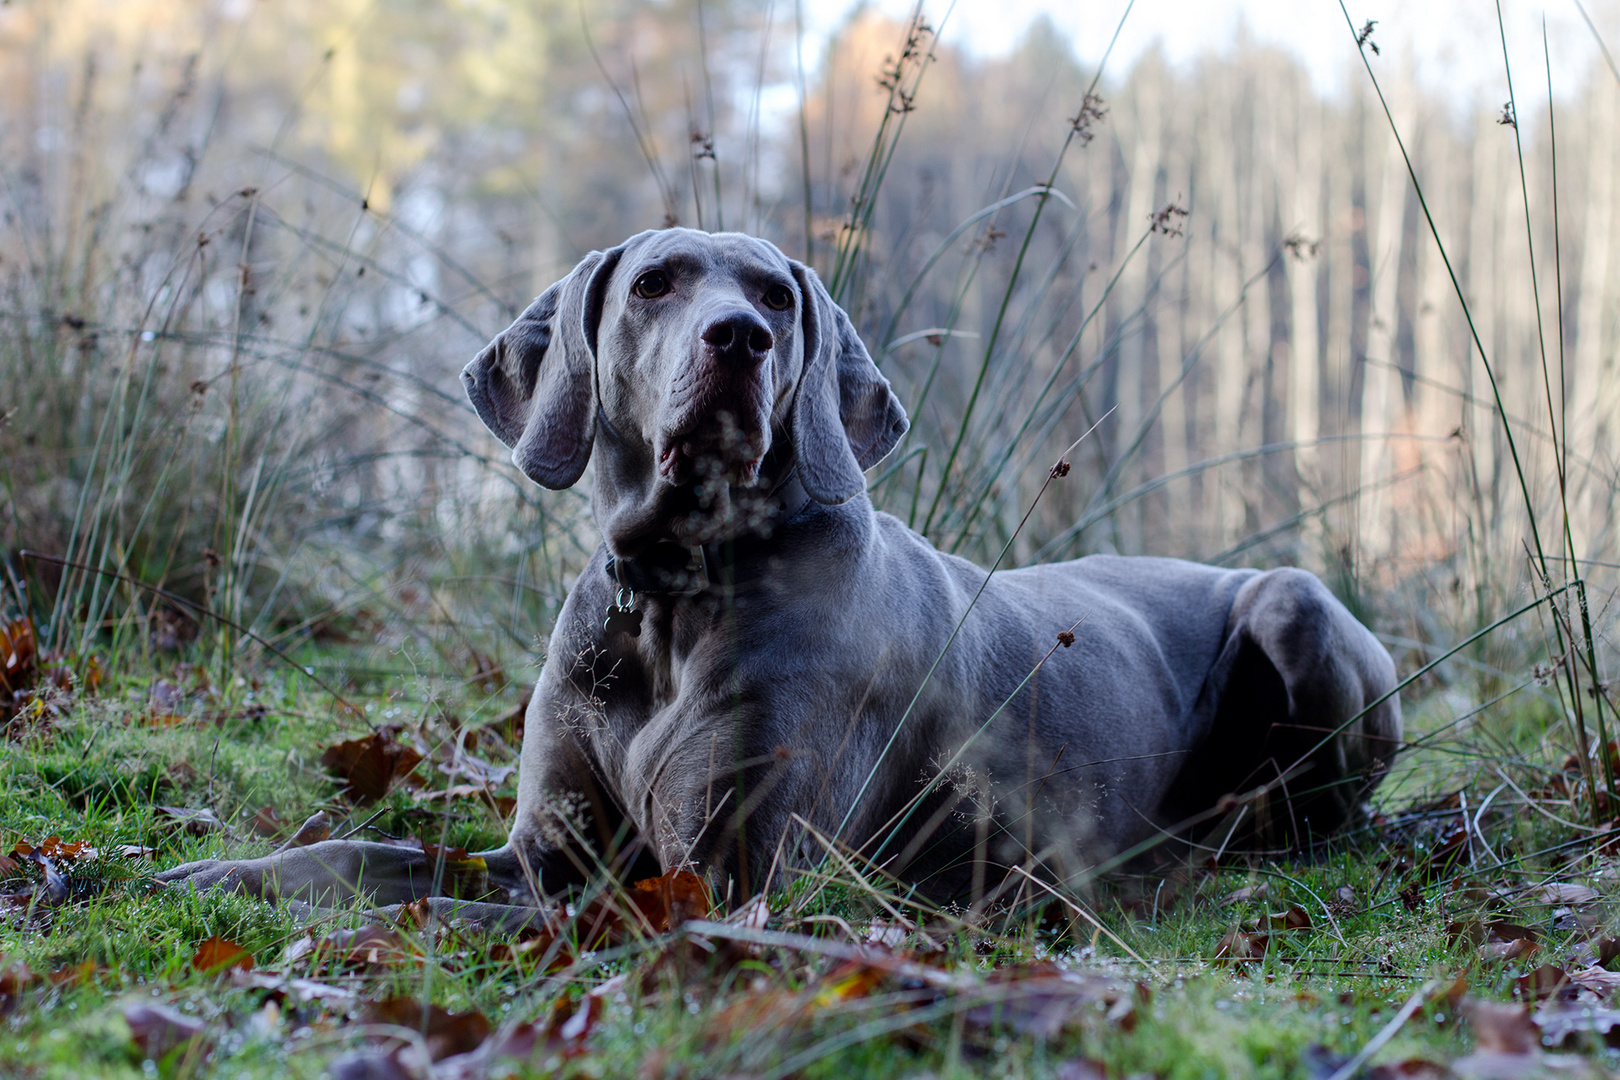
<point x="711" y="448"/>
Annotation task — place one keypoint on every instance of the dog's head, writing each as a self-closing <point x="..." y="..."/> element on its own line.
<point x="691" y="360"/>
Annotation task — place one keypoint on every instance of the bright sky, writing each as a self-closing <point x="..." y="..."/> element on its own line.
<point x="1450" y="45"/>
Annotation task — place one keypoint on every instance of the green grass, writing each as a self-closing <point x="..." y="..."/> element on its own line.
<point x="99" y="775"/>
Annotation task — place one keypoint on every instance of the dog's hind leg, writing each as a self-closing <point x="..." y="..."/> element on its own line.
<point x="1299" y="732"/>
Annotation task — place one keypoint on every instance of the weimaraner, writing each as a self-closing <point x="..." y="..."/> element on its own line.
<point x="756" y="666"/>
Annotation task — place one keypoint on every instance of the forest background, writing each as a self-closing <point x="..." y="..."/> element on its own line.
<point x="245" y="250"/>
<point x="1232" y="267"/>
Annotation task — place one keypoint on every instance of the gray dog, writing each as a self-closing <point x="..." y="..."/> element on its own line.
<point x="756" y="664"/>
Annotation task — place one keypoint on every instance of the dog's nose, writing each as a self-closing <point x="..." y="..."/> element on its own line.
<point x="739" y="338"/>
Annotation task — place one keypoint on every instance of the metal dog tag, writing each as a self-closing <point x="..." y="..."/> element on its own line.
<point x="622" y="618"/>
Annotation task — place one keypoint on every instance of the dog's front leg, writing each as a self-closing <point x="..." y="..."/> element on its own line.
<point x="569" y="825"/>
<point x="329" y="872"/>
<point x="335" y="871"/>
<point x="553" y="842"/>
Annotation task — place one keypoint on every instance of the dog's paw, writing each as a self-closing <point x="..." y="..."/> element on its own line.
<point x="230" y="875"/>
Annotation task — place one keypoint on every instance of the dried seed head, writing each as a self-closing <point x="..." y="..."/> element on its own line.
<point x="1364" y="37"/>
<point x="1165" y="221"/>
<point x="1092" y="111"/>
<point x="1060" y="470"/>
<point x="1065" y="638"/>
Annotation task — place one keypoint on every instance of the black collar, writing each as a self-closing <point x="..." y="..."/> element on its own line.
<point x="669" y="569"/>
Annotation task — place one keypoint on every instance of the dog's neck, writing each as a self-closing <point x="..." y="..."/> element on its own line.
<point x="667" y="539"/>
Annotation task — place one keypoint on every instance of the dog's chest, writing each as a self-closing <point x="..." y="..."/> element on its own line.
<point x="634" y="679"/>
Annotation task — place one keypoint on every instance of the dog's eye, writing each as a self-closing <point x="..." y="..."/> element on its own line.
<point x="778" y="298"/>
<point x="651" y="285"/>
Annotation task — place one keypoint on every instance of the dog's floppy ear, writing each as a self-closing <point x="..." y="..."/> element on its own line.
<point x="845" y="418"/>
<point x="533" y="386"/>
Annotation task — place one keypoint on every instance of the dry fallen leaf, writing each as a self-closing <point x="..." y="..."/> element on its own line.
<point x="316" y="827"/>
<point x="1600" y="982"/>
<point x="193" y="822"/>
<point x="1596" y="952"/>
<point x="1503" y="1029"/>
<point x="1496" y="939"/>
<point x="159" y="1030"/>
<point x="1508" y="951"/>
<point x="480" y="772"/>
<point x="368" y="767"/>
<point x="301" y="990"/>
<point x="1561" y="1020"/>
<point x="1562" y="892"/>
<point x="1039" y="999"/>
<point x="74" y="974"/>
<point x="1509" y="1047"/>
<point x="888" y="933"/>
<point x="1295" y="918"/>
<point x="57" y="850"/>
<point x="501" y="804"/>
<point x="755" y="914"/>
<point x="1247" y="892"/>
<point x="535" y="946"/>
<point x="14" y="980"/>
<point x="772" y="1009"/>
<point x="672" y="899"/>
<point x="652" y="905"/>
<point x="851" y="979"/>
<point x="1450" y="847"/>
<point x="367" y="946"/>
<point x="1409" y="1069"/>
<point x="218" y="954"/>
<point x="1321" y="1062"/>
<point x="380" y="1065"/>
<point x="444" y="1032"/>
<point x="569" y="1023"/>
<point x="18" y="662"/>
<point x="1241" y="947"/>
<point x="267" y="823"/>
<point x="56" y="887"/>
<point x="1541" y="983"/>
<point x="563" y="1034"/>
